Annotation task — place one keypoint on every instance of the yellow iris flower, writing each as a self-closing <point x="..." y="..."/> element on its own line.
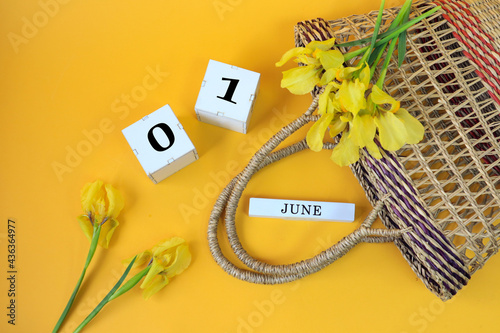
<point x="320" y="62"/>
<point x="329" y="109"/>
<point x="101" y="203"/>
<point x="167" y="259"/>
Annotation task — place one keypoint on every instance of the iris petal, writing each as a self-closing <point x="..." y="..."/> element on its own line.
<point x="314" y="137"/>
<point x="300" y="80"/>
<point x="346" y="73"/>
<point x="374" y="150"/>
<point x="413" y="127"/>
<point x="155" y="269"/>
<point x="141" y="259"/>
<point x="181" y="261"/>
<point x="332" y="59"/>
<point x="346" y="152"/>
<point x="107" y="230"/>
<point x="363" y="130"/>
<point x="324" y="99"/>
<point x="380" y="97"/>
<point x="321" y="45"/>
<point x="337" y="126"/>
<point x="364" y="75"/>
<point x="352" y="96"/>
<point x="115" y="200"/>
<point x="292" y="53"/>
<point x="86" y="226"/>
<point x="307" y="60"/>
<point x="89" y="194"/>
<point x="99" y="210"/>
<point x="392" y="131"/>
<point x="158" y="283"/>
<point x="168" y="244"/>
<point x="328" y="76"/>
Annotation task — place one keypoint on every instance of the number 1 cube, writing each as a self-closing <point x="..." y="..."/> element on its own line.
<point x="227" y="96"/>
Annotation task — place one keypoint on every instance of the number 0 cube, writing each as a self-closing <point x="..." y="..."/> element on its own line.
<point x="227" y="96"/>
<point x="160" y="144"/>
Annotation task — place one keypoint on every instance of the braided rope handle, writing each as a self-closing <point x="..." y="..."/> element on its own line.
<point x="227" y="202"/>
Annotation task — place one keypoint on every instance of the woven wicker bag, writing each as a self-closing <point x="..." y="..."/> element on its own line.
<point x="438" y="199"/>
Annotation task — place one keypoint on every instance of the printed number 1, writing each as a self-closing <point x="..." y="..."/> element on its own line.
<point x="230" y="90"/>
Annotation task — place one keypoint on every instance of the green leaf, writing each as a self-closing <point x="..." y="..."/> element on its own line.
<point x="403" y="35"/>
<point x="409" y="24"/>
<point x="130" y="283"/>
<point x="363" y="41"/>
<point x="393" y="34"/>
<point x="399" y="19"/>
<point x="392" y="28"/>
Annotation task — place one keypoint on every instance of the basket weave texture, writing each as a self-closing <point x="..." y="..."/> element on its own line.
<point x="445" y="188"/>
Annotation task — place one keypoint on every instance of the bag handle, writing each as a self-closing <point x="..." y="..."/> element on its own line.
<point x="227" y="202"/>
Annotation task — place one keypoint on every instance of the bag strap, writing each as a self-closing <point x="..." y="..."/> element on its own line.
<point x="227" y="202"/>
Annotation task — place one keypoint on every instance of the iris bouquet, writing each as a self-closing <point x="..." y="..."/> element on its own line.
<point x="349" y="104"/>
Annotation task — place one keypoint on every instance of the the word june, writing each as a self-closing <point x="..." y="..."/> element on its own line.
<point x="160" y="144"/>
<point x="301" y="210"/>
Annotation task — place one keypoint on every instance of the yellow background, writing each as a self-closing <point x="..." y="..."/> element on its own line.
<point x="66" y="70"/>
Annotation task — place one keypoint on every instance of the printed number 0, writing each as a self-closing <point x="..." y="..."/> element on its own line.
<point x="168" y="132"/>
<point x="230" y="90"/>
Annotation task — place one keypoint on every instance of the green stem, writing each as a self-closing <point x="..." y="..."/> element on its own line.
<point x="375" y="32"/>
<point x="402" y="17"/>
<point x="376" y="61"/>
<point x="380" y="81"/>
<point x="115" y="292"/>
<point x="93" y="247"/>
<point x="404" y="27"/>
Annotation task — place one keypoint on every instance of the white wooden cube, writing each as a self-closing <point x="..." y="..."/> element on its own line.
<point x="160" y="144"/>
<point x="227" y="96"/>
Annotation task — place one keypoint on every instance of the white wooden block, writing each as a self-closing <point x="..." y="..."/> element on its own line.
<point x="301" y="210"/>
<point x="160" y="144"/>
<point x="227" y="96"/>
